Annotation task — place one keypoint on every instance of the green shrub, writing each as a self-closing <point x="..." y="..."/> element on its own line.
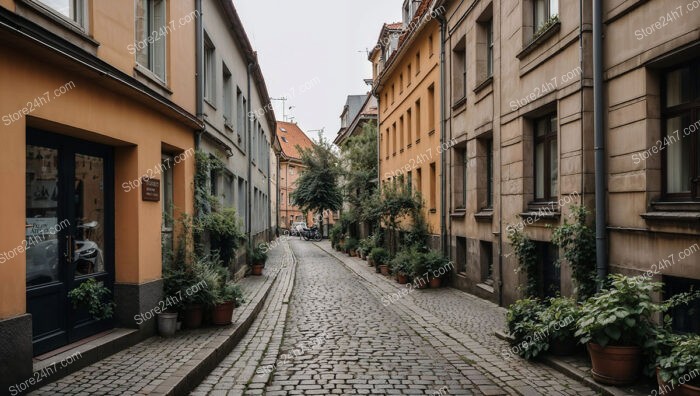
<point x="564" y="312"/>
<point x="94" y="296"/>
<point x="403" y="263"/>
<point x="350" y="244"/>
<point x="380" y="256"/>
<point x="335" y="234"/>
<point x="258" y="254"/>
<point x="683" y="362"/>
<point x="525" y="326"/>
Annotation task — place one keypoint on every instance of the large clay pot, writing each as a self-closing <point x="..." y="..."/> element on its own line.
<point x="384" y="269"/>
<point x="402" y="279"/>
<point x="667" y="389"/>
<point x="615" y="365"/>
<point x="193" y="316"/>
<point x="689" y="390"/>
<point x="435" y="283"/>
<point x="563" y="347"/>
<point x="167" y="323"/>
<point x="370" y="262"/>
<point x="421" y="283"/>
<point x="221" y="314"/>
<point x="257" y="269"/>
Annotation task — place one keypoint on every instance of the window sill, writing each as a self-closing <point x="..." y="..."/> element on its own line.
<point x="484" y="84"/>
<point x="431" y="133"/>
<point x="685" y="217"/>
<point x="433" y="211"/>
<point x="393" y="155"/>
<point x="459" y="213"/>
<point x="63" y="23"/>
<point x="538" y="40"/>
<point x="210" y="103"/>
<point x="228" y="126"/>
<point x="409" y="146"/>
<point x="541" y="210"/>
<point x="417" y="141"/>
<point x="459" y="102"/>
<point x="401" y="151"/>
<point x="485" y="287"/>
<point x="484" y="215"/>
<point x="152" y="78"/>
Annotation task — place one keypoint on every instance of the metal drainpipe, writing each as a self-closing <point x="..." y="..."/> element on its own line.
<point x="600" y="179"/>
<point x="199" y="68"/>
<point x="443" y="170"/>
<point x="250" y="162"/>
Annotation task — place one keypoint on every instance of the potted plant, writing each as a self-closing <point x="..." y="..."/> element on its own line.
<point x="615" y="324"/>
<point x="258" y="257"/>
<point x="381" y="257"/>
<point x="351" y="245"/>
<point x="559" y="320"/>
<point x="94" y="297"/>
<point x="365" y="247"/>
<point x="679" y="370"/>
<point x="175" y="282"/>
<point x="436" y="266"/>
<point x="228" y="296"/>
<point x="402" y="265"/>
<point x="199" y="293"/>
<point x="524" y="323"/>
<point x="334" y="235"/>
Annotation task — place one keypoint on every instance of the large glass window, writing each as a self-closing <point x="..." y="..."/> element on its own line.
<point x="543" y="11"/>
<point x="209" y="71"/>
<point x="681" y="123"/>
<point x="459" y="70"/>
<point x="546" y="158"/>
<point x="151" y="28"/>
<point x="71" y="9"/>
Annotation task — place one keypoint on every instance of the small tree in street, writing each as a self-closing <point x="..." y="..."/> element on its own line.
<point x="360" y="156"/>
<point x="317" y="188"/>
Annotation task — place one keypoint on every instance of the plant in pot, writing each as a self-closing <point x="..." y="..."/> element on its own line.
<point x="94" y="297"/>
<point x="199" y="293"/>
<point x="679" y="369"/>
<point x="436" y="266"/>
<point x="335" y="235"/>
<point x="351" y="245"/>
<point x="577" y="240"/>
<point x="258" y="257"/>
<point x="523" y="320"/>
<point x="365" y="246"/>
<point x="228" y="296"/>
<point x="419" y="270"/>
<point x="402" y="265"/>
<point x="615" y="325"/>
<point x="176" y="280"/>
<point x="381" y="257"/>
<point x="559" y="318"/>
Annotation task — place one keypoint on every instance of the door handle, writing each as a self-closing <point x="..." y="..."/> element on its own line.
<point x="69" y="249"/>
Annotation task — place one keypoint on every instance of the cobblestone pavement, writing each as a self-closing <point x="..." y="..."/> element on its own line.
<point x="139" y="370"/>
<point x="469" y="321"/>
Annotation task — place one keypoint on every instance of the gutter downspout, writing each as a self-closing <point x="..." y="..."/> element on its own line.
<point x="249" y="152"/>
<point x="199" y="69"/>
<point x="443" y="168"/>
<point x="600" y="179"/>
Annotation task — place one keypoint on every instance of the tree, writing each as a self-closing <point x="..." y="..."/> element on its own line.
<point x="360" y="157"/>
<point x="317" y="188"/>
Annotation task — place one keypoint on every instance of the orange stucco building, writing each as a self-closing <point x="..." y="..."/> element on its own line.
<point x="89" y="107"/>
<point x="289" y="137"/>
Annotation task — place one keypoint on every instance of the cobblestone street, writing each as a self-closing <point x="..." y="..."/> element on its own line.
<point x="339" y="338"/>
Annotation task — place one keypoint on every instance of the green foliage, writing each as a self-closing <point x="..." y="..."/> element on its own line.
<point x="258" y="254"/>
<point x="380" y="256"/>
<point x="228" y="292"/>
<point x="682" y="362"/>
<point x="578" y="242"/>
<point x="563" y="311"/>
<point x="335" y="234"/>
<point x="525" y="251"/>
<point x="367" y="244"/>
<point x="350" y="244"/>
<point x="404" y="261"/>
<point x="317" y="188"/>
<point x="208" y="273"/>
<point x="204" y="165"/>
<point x="225" y="231"/>
<point x="433" y="261"/>
<point x="398" y="201"/>
<point x="545" y="25"/>
<point x="92" y="295"/>
<point x="360" y="157"/>
<point x="417" y="234"/>
<point x="524" y="325"/>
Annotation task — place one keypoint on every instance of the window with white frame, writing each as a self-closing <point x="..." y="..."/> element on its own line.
<point x="209" y="71"/>
<point x="74" y="10"/>
<point x="150" y="18"/>
<point x="543" y="11"/>
<point x="228" y="96"/>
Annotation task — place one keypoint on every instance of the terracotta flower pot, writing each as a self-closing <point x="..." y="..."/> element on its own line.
<point x="221" y="314"/>
<point x="689" y="390"/>
<point x="384" y="269"/>
<point x="193" y="316"/>
<point x="370" y="262"/>
<point x="615" y="365"/>
<point x="402" y="279"/>
<point x="667" y="389"/>
<point x="257" y="269"/>
<point x="435" y="283"/>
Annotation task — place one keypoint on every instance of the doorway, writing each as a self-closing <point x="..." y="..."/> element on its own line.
<point x="69" y="234"/>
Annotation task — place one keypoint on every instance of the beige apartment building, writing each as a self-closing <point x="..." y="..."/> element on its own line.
<point x="518" y="103"/>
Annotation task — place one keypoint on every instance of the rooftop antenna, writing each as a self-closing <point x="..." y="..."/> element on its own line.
<point x="284" y="100"/>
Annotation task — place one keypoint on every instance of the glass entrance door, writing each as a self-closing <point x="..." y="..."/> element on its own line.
<point x="69" y="201"/>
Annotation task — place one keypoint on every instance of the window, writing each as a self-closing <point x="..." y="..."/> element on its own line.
<point x="681" y="121"/>
<point x="409" y="127"/>
<point x="489" y="48"/>
<point x="431" y="107"/>
<point x="459" y="181"/>
<point x="74" y="10"/>
<point x="241" y="119"/>
<point x="401" y="140"/>
<point x="433" y="187"/>
<point x="408" y="75"/>
<point x="242" y="198"/>
<point x="209" y="71"/>
<point x="431" y="50"/>
<point x="550" y="272"/>
<point x="150" y="17"/>
<point x="546" y="158"/>
<point x="417" y="63"/>
<point x="461" y="256"/>
<point x="488" y="146"/>
<point x="486" y="250"/>
<point x="167" y="206"/>
<point x="418" y="124"/>
<point x="386" y="101"/>
<point x="409" y="181"/>
<point x="393" y="93"/>
<point x="393" y="140"/>
<point x="214" y="181"/>
<point x="543" y="11"/>
<point x="419" y="179"/>
<point x="459" y="71"/>
<point x="386" y="143"/>
<point x="229" y="184"/>
<point x="685" y="318"/>
<point x="401" y="83"/>
<point x="228" y="96"/>
<point x="291" y="170"/>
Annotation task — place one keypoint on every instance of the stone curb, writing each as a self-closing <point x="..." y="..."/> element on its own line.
<point x="192" y="373"/>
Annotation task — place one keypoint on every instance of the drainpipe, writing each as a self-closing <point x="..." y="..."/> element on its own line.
<point x="251" y="65"/>
<point x="199" y="68"/>
<point x="443" y="168"/>
<point x="600" y="179"/>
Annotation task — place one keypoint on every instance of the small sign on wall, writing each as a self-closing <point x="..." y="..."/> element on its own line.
<point x="150" y="189"/>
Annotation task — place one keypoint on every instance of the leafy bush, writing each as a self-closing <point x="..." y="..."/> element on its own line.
<point x="335" y="234"/>
<point x="403" y="262"/>
<point x="526" y="252"/>
<point x="225" y="232"/>
<point x="366" y="245"/>
<point x="525" y="326"/>
<point x="683" y="362"/>
<point x="577" y="240"/>
<point x="434" y="261"/>
<point x="258" y="254"/>
<point x="92" y="295"/>
<point x="380" y="256"/>
<point x="230" y="292"/>
<point x="350" y="244"/>
<point x="564" y="312"/>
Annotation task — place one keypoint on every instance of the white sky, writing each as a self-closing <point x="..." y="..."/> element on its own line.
<point x="313" y="52"/>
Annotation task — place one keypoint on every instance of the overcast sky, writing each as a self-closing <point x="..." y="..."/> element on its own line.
<point x="313" y="52"/>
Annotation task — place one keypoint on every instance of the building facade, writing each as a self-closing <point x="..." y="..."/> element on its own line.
<point x="519" y="109"/>
<point x="99" y="137"/>
<point x="289" y="136"/>
<point x="239" y="122"/>
<point x="406" y="65"/>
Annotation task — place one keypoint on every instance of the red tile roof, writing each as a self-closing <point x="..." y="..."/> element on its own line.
<point x="290" y="136"/>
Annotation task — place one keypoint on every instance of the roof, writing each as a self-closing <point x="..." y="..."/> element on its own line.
<point x="369" y="112"/>
<point x="290" y="136"/>
<point x="387" y="29"/>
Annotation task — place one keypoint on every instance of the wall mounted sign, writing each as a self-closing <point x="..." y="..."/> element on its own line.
<point x="150" y="189"/>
